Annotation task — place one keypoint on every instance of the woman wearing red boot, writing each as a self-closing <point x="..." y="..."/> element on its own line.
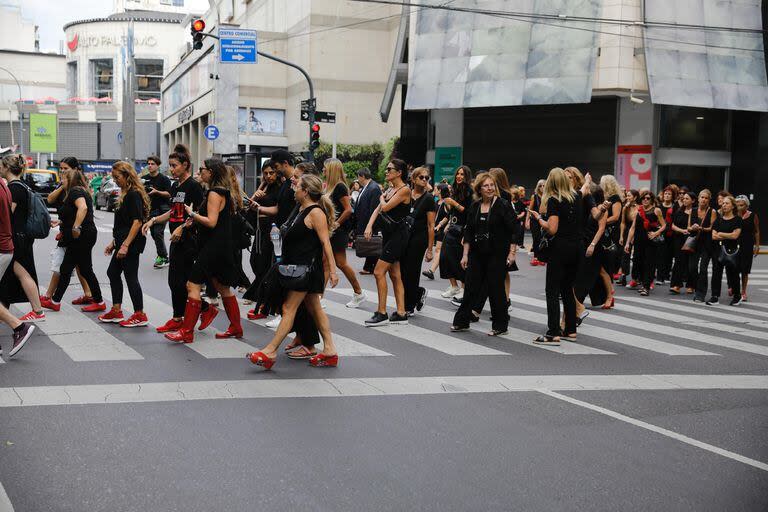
<point x="215" y="259"/>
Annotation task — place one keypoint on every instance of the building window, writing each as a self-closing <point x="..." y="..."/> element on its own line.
<point x="149" y="74"/>
<point x="72" y="79"/>
<point x="103" y="76"/>
<point x="693" y="128"/>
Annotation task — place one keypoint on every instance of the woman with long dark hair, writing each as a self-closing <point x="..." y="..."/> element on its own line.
<point x="215" y="257"/>
<point x="631" y="200"/>
<point x="666" y="250"/>
<point x="647" y="235"/>
<point x="588" y="281"/>
<point x="683" y="272"/>
<point x="127" y="245"/>
<point x="535" y="229"/>
<point x="749" y="241"/>
<point x="421" y="241"/>
<point x="726" y="231"/>
<point x="394" y="207"/>
<point x="701" y="222"/>
<point x="78" y="236"/>
<point x="306" y="241"/>
<point x="443" y="192"/>
<point x="20" y="284"/>
<point x="451" y="253"/>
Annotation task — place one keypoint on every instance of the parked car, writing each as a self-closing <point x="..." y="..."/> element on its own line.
<point x="107" y="195"/>
<point x="41" y="181"/>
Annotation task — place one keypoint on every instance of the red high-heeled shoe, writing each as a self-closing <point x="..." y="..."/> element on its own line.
<point x="321" y="360"/>
<point x="261" y="359"/>
<point x="609" y="304"/>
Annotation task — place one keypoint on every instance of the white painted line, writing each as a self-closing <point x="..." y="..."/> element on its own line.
<point x="346" y="347"/>
<point x="758" y="282"/>
<point x="82" y="338"/>
<point x="722" y="311"/>
<point x="663" y="431"/>
<point x="5" y="501"/>
<point x="666" y="330"/>
<point x="395" y="386"/>
<point x="441" y="342"/>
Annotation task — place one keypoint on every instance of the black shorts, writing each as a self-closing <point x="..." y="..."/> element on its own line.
<point x="394" y="245"/>
<point x="340" y="240"/>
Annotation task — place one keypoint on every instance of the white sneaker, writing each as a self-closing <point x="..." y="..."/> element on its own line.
<point x="459" y="296"/>
<point x="323" y="303"/>
<point x="451" y="291"/>
<point x="357" y="299"/>
<point x="272" y="324"/>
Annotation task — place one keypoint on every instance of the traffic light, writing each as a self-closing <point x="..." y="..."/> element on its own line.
<point x="198" y="26"/>
<point x="314" y="137"/>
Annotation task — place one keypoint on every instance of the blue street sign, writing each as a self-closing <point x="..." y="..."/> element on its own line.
<point x="237" y="46"/>
<point x="211" y="132"/>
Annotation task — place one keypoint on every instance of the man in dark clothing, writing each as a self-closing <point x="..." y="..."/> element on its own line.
<point x="21" y="331"/>
<point x="159" y="190"/>
<point x="366" y="203"/>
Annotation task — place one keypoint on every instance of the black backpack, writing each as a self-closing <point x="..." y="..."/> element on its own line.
<point x="38" y="223"/>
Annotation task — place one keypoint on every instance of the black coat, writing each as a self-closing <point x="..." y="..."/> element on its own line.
<point x="503" y="226"/>
<point x="367" y="201"/>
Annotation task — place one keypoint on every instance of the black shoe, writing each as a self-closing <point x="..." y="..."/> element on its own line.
<point x="713" y="301"/>
<point x="20" y="337"/>
<point x="397" y="318"/>
<point x="736" y="301"/>
<point x="473" y="318"/>
<point x="644" y="292"/>
<point x="422" y="299"/>
<point x="429" y="275"/>
<point x="409" y="314"/>
<point x="456" y="301"/>
<point x="697" y="300"/>
<point x="459" y="328"/>
<point x="377" y="319"/>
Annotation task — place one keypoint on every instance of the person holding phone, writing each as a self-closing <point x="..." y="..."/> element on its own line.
<point x="158" y="188"/>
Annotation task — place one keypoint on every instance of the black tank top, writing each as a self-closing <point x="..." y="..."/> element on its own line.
<point x="747" y="237"/>
<point x="400" y="211"/>
<point x="301" y="245"/>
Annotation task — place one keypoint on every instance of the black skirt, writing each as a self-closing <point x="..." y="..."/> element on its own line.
<point x="11" y="291"/>
<point x="450" y="255"/>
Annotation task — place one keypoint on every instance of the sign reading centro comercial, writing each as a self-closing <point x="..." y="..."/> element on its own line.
<point x="109" y="40"/>
<point x="42" y="133"/>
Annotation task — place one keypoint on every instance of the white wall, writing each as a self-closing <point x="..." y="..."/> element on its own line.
<point x="40" y="75"/>
<point x="16" y="33"/>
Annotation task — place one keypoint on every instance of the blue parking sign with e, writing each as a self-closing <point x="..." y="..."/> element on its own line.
<point x="211" y="132"/>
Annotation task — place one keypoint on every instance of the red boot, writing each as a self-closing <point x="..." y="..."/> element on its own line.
<point x="232" y="309"/>
<point x="207" y="316"/>
<point x="191" y="313"/>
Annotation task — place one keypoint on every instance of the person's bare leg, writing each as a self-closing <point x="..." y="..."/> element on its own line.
<point x="7" y="318"/>
<point x="744" y="283"/>
<point x="194" y="291"/>
<point x="380" y="273"/>
<point x="29" y="286"/>
<point x="397" y="285"/>
<point x="436" y="259"/>
<point x="52" y="285"/>
<point x="453" y="282"/>
<point x="606" y="279"/>
<point x="290" y="306"/>
<point x="224" y="290"/>
<point x="346" y="269"/>
<point x="312" y="301"/>
<point x="83" y="283"/>
<point x="507" y="283"/>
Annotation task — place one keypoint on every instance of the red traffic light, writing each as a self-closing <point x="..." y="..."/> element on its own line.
<point x="198" y="25"/>
<point x="316" y="128"/>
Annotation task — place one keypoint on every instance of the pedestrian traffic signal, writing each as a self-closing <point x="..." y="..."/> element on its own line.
<point x="314" y="137"/>
<point x="198" y="26"/>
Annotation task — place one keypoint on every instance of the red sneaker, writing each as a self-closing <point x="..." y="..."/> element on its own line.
<point x="632" y="284"/>
<point x="135" y="320"/>
<point x="534" y="262"/>
<point x="33" y="317"/>
<point x="93" y="307"/>
<point x="111" y="316"/>
<point x="170" y="325"/>
<point x="48" y="303"/>
<point x="253" y="315"/>
<point x="83" y="300"/>
<point x="207" y="316"/>
<point x="181" y="336"/>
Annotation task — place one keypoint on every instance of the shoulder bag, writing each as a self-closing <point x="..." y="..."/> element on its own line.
<point x="728" y="258"/>
<point x="368" y="248"/>
<point x="295" y="277"/>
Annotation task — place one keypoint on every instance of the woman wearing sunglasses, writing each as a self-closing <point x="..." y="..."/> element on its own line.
<point x="422" y="239"/>
<point x="647" y="233"/>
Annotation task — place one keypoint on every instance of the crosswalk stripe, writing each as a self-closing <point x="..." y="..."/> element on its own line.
<point x="346" y="347"/>
<point x="517" y="335"/>
<point x="685" y="306"/>
<point x="5" y="501"/>
<point x="759" y="281"/>
<point x="666" y="330"/>
<point x="437" y="341"/>
<point x="81" y="338"/>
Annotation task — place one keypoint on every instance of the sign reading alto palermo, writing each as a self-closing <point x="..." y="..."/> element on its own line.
<point x="109" y="40"/>
<point x="42" y="133"/>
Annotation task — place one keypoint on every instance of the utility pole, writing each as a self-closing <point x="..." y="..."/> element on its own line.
<point x="129" y="106"/>
<point x="21" y="115"/>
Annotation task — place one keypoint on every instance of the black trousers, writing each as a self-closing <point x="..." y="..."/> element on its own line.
<point x="645" y="254"/>
<point x="158" y="235"/>
<point x="485" y="275"/>
<point x="732" y="276"/>
<point x="703" y="257"/>
<point x="684" y="268"/>
<point x="129" y="267"/>
<point x="588" y="275"/>
<point x="410" y="269"/>
<point x="664" y="254"/>
<point x="79" y="254"/>
<point x="180" y="266"/>
<point x="561" y="274"/>
<point x="261" y="260"/>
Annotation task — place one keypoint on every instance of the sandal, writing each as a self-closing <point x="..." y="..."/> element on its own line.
<point x="301" y="352"/>
<point x="261" y="359"/>
<point x="322" y="360"/>
<point x="457" y="328"/>
<point x="580" y="318"/>
<point x="547" y="339"/>
<point x="497" y="332"/>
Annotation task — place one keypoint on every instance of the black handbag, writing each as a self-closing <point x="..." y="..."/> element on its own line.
<point x="368" y="248"/>
<point x="689" y="245"/>
<point x="728" y="258"/>
<point x="295" y="277"/>
<point x="658" y="240"/>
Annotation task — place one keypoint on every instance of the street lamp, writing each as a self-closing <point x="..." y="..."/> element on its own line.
<point x="21" y="116"/>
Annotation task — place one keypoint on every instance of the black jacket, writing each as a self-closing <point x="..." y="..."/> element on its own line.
<point x="503" y="226"/>
<point x="367" y="201"/>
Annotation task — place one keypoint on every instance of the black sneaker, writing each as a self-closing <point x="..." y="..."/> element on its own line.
<point x="422" y="299"/>
<point x="736" y="301"/>
<point x="698" y="300"/>
<point x="396" y="318"/>
<point x="456" y="301"/>
<point x="429" y="275"/>
<point x="20" y="337"/>
<point x="377" y="319"/>
<point x="410" y="313"/>
<point x="713" y="301"/>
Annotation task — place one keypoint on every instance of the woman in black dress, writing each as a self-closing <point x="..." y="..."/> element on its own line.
<point x="666" y="250"/>
<point x="749" y="241"/>
<point x="443" y="192"/>
<point x="701" y="224"/>
<point x="534" y="227"/>
<point x="490" y="235"/>
<point x="450" y="255"/>
<point x="610" y="242"/>
<point x="588" y="278"/>
<point x="683" y="272"/>
<point x="338" y="192"/>
<point x="127" y="245"/>
<point x="215" y="257"/>
<point x="21" y="284"/>
<point x="647" y="234"/>
<point x="631" y="200"/>
<point x="726" y="231"/>
<point x="421" y="241"/>
<point x="306" y="242"/>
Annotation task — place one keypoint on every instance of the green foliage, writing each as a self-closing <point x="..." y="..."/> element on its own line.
<point x="351" y="168"/>
<point x="356" y="156"/>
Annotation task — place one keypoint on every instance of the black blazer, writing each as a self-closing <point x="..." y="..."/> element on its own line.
<point x="503" y="226"/>
<point x="367" y="201"/>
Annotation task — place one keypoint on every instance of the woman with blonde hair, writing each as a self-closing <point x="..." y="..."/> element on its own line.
<point x="338" y="193"/>
<point x="131" y="212"/>
<point x="305" y="242"/>
<point x="241" y="229"/>
<point x="610" y="241"/>
<point x="533" y="227"/>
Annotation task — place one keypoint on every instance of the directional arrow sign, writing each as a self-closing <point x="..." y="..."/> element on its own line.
<point x="237" y="46"/>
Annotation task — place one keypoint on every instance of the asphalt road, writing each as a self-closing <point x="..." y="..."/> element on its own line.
<point x="661" y="405"/>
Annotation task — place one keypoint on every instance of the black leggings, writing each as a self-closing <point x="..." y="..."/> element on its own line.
<point x="684" y="269"/>
<point x="703" y="257"/>
<point x="733" y="278"/>
<point x="645" y="254"/>
<point x="410" y="270"/>
<point x="78" y="254"/>
<point x="561" y="274"/>
<point x="128" y="266"/>
<point x="485" y="278"/>
<point x="182" y="258"/>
